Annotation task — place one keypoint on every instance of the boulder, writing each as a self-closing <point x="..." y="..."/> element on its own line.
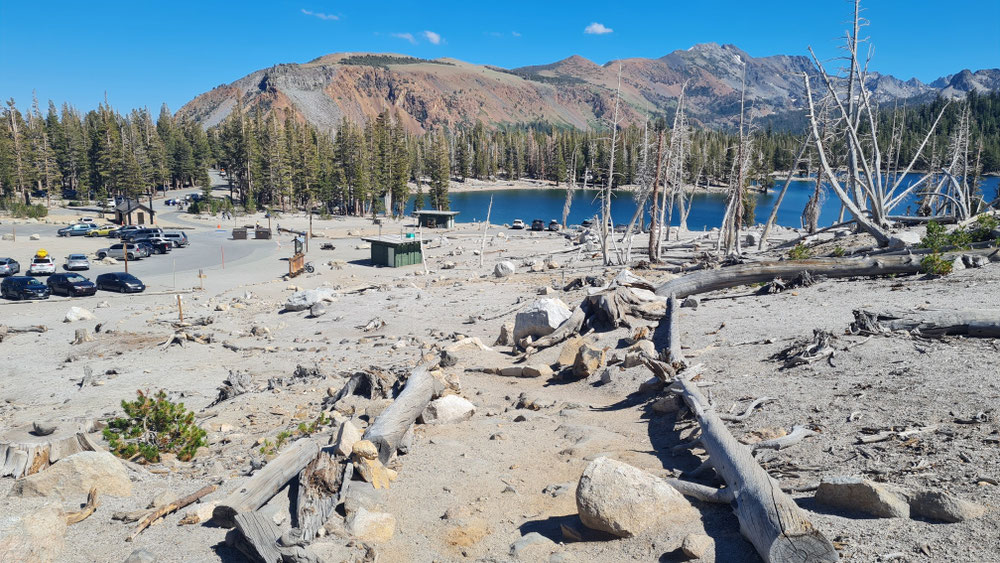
<point x="141" y="556"/>
<point x="35" y="236"/>
<point x="536" y="370"/>
<point x="375" y="527"/>
<point x="861" y="495"/>
<point x="78" y="314"/>
<point x="504" y="269"/>
<point x="448" y="409"/>
<point x="448" y="266"/>
<point x="540" y="318"/>
<point x="904" y="239"/>
<point x="448" y="359"/>
<point x="317" y="310"/>
<point x="622" y="500"/>
<point x="7" y="236"/>
<point x="634" y="353"/>
<point x="691" y="303"/>
<point x="302" y="300"/>
<point x="938" y="505"/>
<point x="567" y="355"/>
<point x="39" y="536"/>
<point x="533" y="547"/>
<point x="347" y="435"/>
<point x="506" y="337"/>
<point x="44" y="427"/>
<point x="76" y="475"/>
<point x="588" y="360"/>
<point x="667" y="405"/>
<point x="512" y="371"/>
<point x="537" y="266"/>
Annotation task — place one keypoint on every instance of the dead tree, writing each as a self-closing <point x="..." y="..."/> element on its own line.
<point x="732" y="221"/>
<point x="606" y="195"/>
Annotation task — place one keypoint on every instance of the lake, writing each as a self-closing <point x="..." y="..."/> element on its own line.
<point x="706" y="210"/>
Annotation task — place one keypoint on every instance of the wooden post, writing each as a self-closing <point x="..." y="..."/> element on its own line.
<point x="125" y="255"/>
<point x="180" y="308"/>
<point x="223" y="251"/>
<point x="482" y="248"/>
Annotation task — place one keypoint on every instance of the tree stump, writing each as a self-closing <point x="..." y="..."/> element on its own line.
<point x="22" y="452"/>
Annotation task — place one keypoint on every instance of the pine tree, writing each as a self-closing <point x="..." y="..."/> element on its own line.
<point x="439" y="167"/>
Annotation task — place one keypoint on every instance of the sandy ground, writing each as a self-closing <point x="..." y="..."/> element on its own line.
<point x="494" y="468"/>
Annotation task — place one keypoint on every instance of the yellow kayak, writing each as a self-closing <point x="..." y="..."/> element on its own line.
<point x="42" y="253"/>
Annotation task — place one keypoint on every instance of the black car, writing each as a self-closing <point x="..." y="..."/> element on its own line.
<point x="155" y="244"/>
<point x="538" y="225"/>
<point x="70" y="285"/>
<point x="120" y="282"/>
<point x="23" y="287"/>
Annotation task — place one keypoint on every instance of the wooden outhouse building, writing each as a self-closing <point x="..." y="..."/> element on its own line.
<point x="395" y="251"/>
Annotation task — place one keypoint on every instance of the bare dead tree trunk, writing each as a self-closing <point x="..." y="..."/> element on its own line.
<point x="654" y="225"/>
<point x="606" y="200"/>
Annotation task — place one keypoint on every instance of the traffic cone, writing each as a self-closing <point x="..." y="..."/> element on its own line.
<point x="218" y="226"/>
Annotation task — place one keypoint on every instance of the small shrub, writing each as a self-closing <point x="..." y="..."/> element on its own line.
<point x="153" y="425"/>
<point x="800" y="252"/>
<point x="22" y="210"/>
<point x="839" y="251"/>
<point x="936" y="265"/>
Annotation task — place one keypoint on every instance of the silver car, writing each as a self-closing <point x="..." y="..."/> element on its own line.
<point x="9" y="267"/>
<point x="77" y="262"/>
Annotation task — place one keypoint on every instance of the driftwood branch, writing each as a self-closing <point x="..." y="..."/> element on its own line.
<point x="388" y="429"/>
<point x="87" y="510"/>
<point x="168" y="508"/>
<point x="979" y="323"/>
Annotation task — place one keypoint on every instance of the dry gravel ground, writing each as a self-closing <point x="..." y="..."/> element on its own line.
<point x="467" y="491"/>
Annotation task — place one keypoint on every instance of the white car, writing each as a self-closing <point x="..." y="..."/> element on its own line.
<point x="42" y="266"/>
<point x="87" y="220"/>
<point x="517" y="224"/>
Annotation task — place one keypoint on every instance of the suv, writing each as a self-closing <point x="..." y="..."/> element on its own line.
<point x="142" y="233"/>
<point x="42" y="266"/>
<point x="517" y="224"/>
<point x="178" y="239"/>
<point x="23" y="287"/>
<point x="125" y="231"/>
<point x="153" y="245"/>
<point x="538" y="225"/>
<point x="70" y="285"/>
<point x="78" y="230"/>
<point x="9" y="267"/>
<point x="118" y="252"/>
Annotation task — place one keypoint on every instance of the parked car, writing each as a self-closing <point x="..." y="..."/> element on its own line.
<point x="102" y="231"/>
<point x="142" y="232"/>
<point x="110" y="202"/>
<point x="178" y="238"/>
<point x="23" y="287"/>
<point x="9" y="267"/>
<point x="587" y="223"/>
<point x="120" y="282"/>
<point x="554" y="225"/>
<point x="87" y="220"/>
<point x="538" y="225"/>
<point x="70" y="285"/>
<point x="77" y="262"/>
<point x="77" y="230"/>
<point x="42" y="266"/>
<point x="154" y="244"/>
<point x="122" y="232"/>
<point x="120" y="251"/>
<point x="517" y="224"/>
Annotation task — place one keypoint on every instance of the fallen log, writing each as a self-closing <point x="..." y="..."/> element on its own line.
<point x="266" y="483"/>
<point x="178" y="504"/>
<point x="5" y="330"/>
<point x="388" y="429"/>
<point x="769" y="518"/>
<point x="758" y="272"/>
<point x="257" y="537"/>
<point x="318" y="494"/>
<point x="977" y="323"/>
<point x="797" y="434"/>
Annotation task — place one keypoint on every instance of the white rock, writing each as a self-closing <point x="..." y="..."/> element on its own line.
<point x="504" y="269"/>
<point x="448" y="409"/>
<point x="78" y="314"/>
<point x="904" y="239"/>
<point x="540" y="318"/>
<point x="448" y="266"/>
<point x="35" y="237"/>
<point x="302" y="300"/>
<point x="617" y="498"/>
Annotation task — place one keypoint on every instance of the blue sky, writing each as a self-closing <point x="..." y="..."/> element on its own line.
<point x="147" y="53"/>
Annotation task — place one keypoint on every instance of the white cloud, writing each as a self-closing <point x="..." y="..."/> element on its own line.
<point x="597" y="29"/>
<point x="407" y="36"/>
<point x="320" y="15"/>
<point x="434" y="38"/>
<point x="515" y="34"/>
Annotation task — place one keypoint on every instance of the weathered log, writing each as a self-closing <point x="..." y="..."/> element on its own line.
<point x="318" y="495"/>
<point x="256" y="536"/>
<point x="701" y="492"/>
<point x="87" y="510"/>
<point x="266" y="483"/>
<point x="568" y="328"/>
<point x="80" y="336"/>
<point x="797" y="434"/>
<point x="983" y="323"/>
<point x="238" y="383"/>
<point x="757" y="272"/>
<point x="388" y="429"/>
<point x="178" y="504"/>
<point x="769" y="518"/>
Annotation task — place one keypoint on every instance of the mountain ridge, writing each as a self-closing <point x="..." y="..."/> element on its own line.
<point x="571" y="92"/>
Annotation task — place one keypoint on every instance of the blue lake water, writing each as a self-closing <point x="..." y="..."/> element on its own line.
<point x="706" y="210"/>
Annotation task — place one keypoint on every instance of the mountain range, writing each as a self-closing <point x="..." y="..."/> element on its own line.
<point x="573" y="92"/>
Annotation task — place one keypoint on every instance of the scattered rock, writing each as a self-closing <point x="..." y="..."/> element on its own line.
<point x="448" y="266"/>
<point x="103" y="305"/>
<point x="506" y="337"/>
<point x="222" y="307"/>
<point x="533" y="402"/>
<point x="547" y="290"/>
<point x="974" y="260"/>
<point x="861" y="495"/>
<point x="617" y="498"/>
<point x="697" y="546"/>
<point x="448" y="359"/>
<point x="376" y="527"/>
<point x="667" y="405"/>
<point x="448" y="409"/>
<point x="938" y="505"/>
<point x="537" y="266"/>
<point x="533" y="546"/>
<point x="163" y="498"/>
<point x="691" y="303"/>
<point x="540" y="318"/>
<point x="108" y="261"/>
<point x="567" y="355"/>
<point x="260" y="331"/>
<point x="75" y="475"/>
<point x="39" y="536"/>
<point x="35" y="236"/>
<point x="317" y="310"/>
<point x="141" y="556"/>
<point x="634" y="353"/>
<point x="78" y="314"/>
<point x="504" y="269"/>
<point x="557" y="489"/>
<point x="588" y="360"/>
<point x="302" y="300"/>
<point x="44" y="428"/>
<point x="512" y="371"/>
